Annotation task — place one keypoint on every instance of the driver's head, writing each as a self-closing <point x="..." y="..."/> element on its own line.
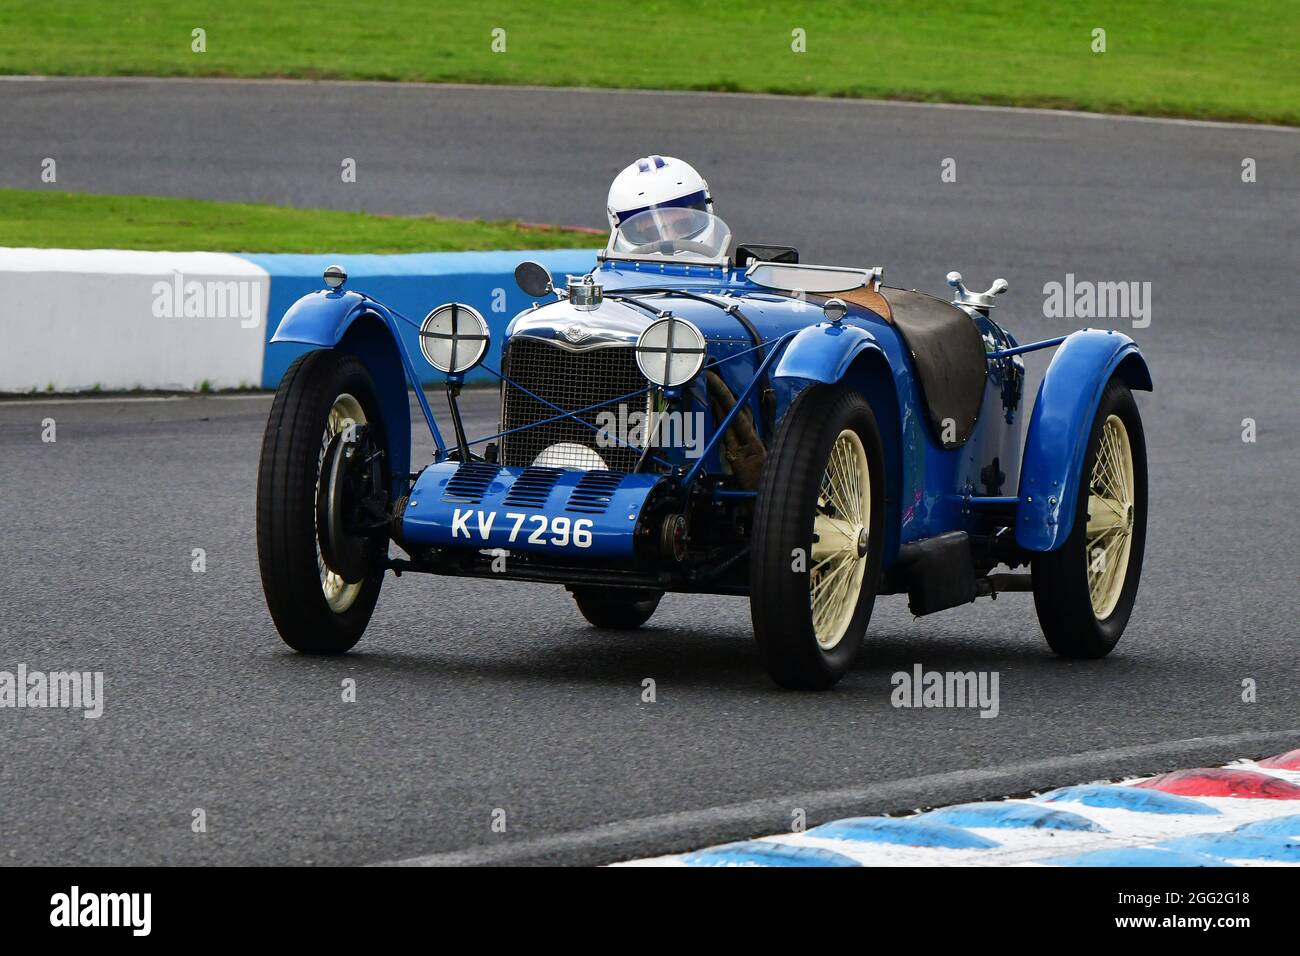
<point x="662" y="184"/>
<point x="677" y="222"/>
<point x="662" y="223"/>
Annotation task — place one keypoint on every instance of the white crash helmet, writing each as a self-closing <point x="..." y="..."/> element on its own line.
<point x="658" y="182"/>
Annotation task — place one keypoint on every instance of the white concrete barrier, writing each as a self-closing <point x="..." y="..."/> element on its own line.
<point x="77" y="319"/>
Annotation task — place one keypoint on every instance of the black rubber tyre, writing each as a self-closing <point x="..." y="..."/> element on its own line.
<point x="287" y="546"/>
<point x="621" y="609"/>
<point x="1060" y="578"/>
<point x="780" y="601"/>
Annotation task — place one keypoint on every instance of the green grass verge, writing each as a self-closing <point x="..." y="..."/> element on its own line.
<point x="1198" y="58"/>
<point x="48" y="219"/>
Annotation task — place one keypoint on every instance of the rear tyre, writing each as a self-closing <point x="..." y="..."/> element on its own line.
<point x="620" y="609"/>
<point x="1085" y="589"/>
<point x="315" y="609"/>
<point x="818" y="538"/>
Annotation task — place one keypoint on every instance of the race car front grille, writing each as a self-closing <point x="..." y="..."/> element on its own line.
<point x="570" y="380"/>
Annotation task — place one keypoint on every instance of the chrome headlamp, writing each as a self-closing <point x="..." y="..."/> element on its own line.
<point x="670" y="352"/>
<point x="454" y="338"/>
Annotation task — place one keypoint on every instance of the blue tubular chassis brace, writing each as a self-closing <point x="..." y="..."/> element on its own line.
<point x="741" y="401"/>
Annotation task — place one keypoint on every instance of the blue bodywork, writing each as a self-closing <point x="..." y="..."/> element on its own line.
<point x="1059" y="429"/>
<point x="930" y="489"/>
<point x="519" y="513"/>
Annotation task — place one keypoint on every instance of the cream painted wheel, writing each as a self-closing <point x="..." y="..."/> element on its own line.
<point x="818" y="539"/>
<point x="1110" y="517"/>
<point x="346" y="411"/>
<point x="840" y="532"/>
<point x="1085" y="587"/>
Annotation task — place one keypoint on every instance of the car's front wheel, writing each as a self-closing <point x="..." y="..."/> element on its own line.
<point x="818" y="538"/>
<point x="321" y="487"/>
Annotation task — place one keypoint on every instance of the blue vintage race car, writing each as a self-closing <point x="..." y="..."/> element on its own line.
<point x="688" y="419"/>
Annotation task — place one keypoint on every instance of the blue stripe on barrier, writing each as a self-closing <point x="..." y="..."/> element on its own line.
<point x="413" y="284"/>
<point x="1239" y="846"/>
<point x="907" y="831"/>
<point x="761" y="853"/>
<point x="1011" y="816"/>
<point x="1272" y="840"/>
<point x="1135" y="856"/>
<point x="1281" y="826"/>
<point x="1128" y="798"/>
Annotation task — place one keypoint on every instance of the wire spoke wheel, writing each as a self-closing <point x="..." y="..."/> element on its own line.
<point x="1085" y="587"/>
<point x="1110" y="517"/>
<point x="346" y="412"/>
<point x="839" y="554"/>
<point x="818" y="539"/>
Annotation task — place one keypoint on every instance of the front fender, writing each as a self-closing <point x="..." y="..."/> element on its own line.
<point x="364" y="327"/>
<point x="321" y="318"/>
<point x="1057" y="439"/>
<point x="824" y="352"/>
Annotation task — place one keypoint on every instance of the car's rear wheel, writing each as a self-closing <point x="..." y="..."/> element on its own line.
<point x="619" y="609"/>
<point x="1085" y="589"/>
<point x="818" y="538"/>
<point x="325" y="446"/>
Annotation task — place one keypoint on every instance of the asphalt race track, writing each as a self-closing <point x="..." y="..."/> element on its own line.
<point x="478" y="696"/>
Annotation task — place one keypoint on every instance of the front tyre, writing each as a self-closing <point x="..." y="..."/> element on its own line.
<point x="1085" y="589"/>
<point x="317" y="609"/>
<point x="818" y="538"/>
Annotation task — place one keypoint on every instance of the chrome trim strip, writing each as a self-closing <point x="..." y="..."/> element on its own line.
<point x="556" y="340"/>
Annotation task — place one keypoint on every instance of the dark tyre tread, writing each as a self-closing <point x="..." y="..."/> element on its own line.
<point x="619" y="609"/>
<point x="286" y="482"/>
<point x="1060" y="578"/>
<point x="779" y="601"/>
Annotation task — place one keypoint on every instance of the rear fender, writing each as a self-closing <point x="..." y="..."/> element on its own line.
<point x="1057" y="438"/>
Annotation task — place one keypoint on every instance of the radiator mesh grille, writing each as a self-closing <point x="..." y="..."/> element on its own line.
<point x="571" y="380"/>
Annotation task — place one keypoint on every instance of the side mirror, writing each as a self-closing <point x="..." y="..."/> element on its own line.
<point x="534" y="278"/>
<point x="835" y="310"/>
